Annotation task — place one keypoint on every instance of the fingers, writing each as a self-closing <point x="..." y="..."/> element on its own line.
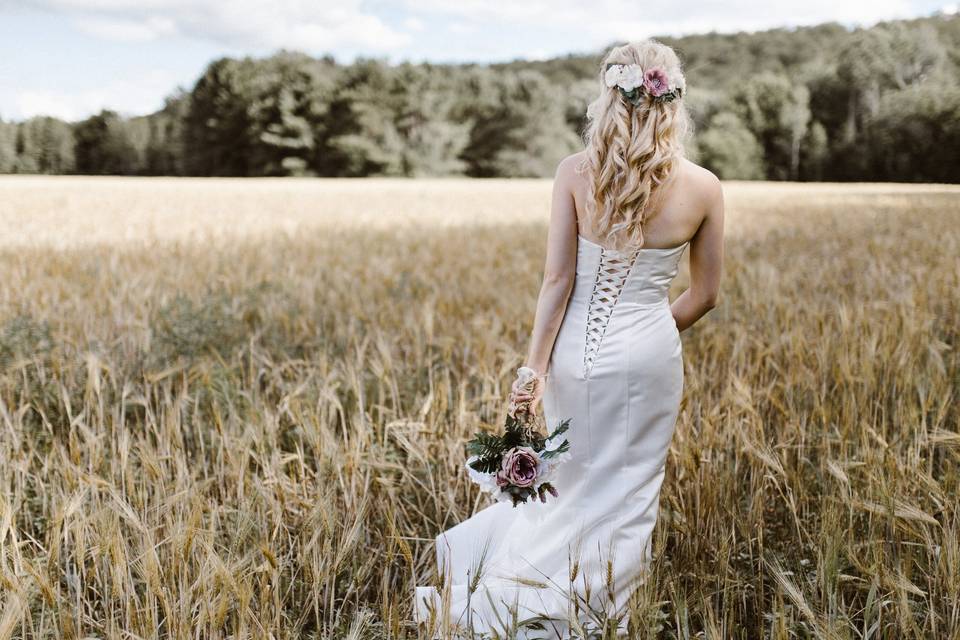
<point x="524" y="398"/>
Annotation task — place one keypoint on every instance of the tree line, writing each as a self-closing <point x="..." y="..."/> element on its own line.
<point x="812" y="103"/>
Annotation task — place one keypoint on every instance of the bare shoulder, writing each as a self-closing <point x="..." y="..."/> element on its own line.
<point x="702" y="183"/>
<point x="570" y="169"/>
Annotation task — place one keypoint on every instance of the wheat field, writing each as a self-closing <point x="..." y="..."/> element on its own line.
<point x="237" y="408"/>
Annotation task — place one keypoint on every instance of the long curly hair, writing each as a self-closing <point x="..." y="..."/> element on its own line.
<point x="632" y="150"/>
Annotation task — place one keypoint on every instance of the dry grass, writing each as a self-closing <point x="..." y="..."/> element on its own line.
<point x="236" y="409"/>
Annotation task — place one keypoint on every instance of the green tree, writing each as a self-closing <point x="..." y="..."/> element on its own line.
<point x="8" y="146"/>
<point x="396" y="121"/>
<point x="164" y="154"/>
<point x="423" y="113"/>
<point x="891" y="55"/>
<point x="481" y="105"/>
<point x="361" y="136"/>
<point x="56" y="146"/>
<point x="43" y="145"/>
<point x="258" y="117"/>
<point x="916" y="52"/>
<point x="519" y="127"/>
<point x="814" y="152"/>
<point x="915" y="136"/>
<point x="219" y="128"/>
<point x="729" y="149"/>
<point x="289" y="104"/>
<point x="829" y="98"/>
<point x="576" y="98"/>
<point x="797" y="119"/>
<point x="103" y="146"/>
<point x="863" y="66"/>
<point x="777" y="113"/>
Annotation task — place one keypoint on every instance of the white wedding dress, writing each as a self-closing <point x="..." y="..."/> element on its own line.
<point x="616" y="371"/>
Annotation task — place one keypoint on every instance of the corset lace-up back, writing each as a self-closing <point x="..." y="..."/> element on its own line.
<point x="612" y="272"/>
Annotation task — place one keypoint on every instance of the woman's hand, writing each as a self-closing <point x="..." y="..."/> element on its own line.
<point x="525" y="395"/>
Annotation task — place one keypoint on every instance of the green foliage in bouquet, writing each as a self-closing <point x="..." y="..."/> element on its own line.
<point x="490" y="448"/>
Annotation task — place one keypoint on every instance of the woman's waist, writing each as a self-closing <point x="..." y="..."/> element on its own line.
<point x="644" y="300"/>
<point x="648" y="294"/>
<point x="633" y="303"/>
<point x="647" y="304"/>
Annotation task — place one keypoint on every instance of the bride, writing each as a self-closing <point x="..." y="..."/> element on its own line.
<point x="607" y="354"/>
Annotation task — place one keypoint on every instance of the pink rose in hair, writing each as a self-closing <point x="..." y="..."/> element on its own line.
<point x="520" y="467"/>
<point x="655" y="81"/>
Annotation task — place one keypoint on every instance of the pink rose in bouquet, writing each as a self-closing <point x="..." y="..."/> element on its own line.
<point x="520" y="467"/>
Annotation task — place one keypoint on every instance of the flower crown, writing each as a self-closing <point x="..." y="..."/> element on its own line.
<point x="633" y="82"/>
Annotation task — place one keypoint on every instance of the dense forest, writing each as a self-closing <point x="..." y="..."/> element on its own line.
<point x="812" y="103"/>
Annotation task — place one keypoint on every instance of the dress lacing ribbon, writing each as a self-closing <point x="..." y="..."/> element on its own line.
<point x="612" y="272"/>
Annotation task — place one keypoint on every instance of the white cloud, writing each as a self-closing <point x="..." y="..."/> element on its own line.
<point x="462" y="27"/>
<point x="349" y="27"/>
<point x="602" y="21"/>
<point x="354" y="26"/>
<point x="413" y="23"/>
<point x="317" y="27"/>
<point x="140" y="95"/>
<point x="125" y="30"/>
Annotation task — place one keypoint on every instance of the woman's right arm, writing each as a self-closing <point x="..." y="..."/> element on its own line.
<point x="706" y="263"/>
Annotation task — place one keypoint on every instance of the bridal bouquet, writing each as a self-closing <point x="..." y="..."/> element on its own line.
<point x="518" y="464"/>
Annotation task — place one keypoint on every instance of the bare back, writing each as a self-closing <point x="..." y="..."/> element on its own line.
<point x="680" y="207"/>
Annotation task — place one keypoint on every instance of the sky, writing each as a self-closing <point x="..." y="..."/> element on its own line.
<point x="72" y="58"/>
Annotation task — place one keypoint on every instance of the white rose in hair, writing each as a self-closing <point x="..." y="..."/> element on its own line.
<point x="631" y="77"/>
<point x="612" y="77"/>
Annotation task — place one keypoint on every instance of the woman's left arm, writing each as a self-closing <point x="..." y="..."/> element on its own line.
<point x="559" y="273"/>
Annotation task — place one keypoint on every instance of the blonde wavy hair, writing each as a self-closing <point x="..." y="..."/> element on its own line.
<point x="632" y="151"/>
